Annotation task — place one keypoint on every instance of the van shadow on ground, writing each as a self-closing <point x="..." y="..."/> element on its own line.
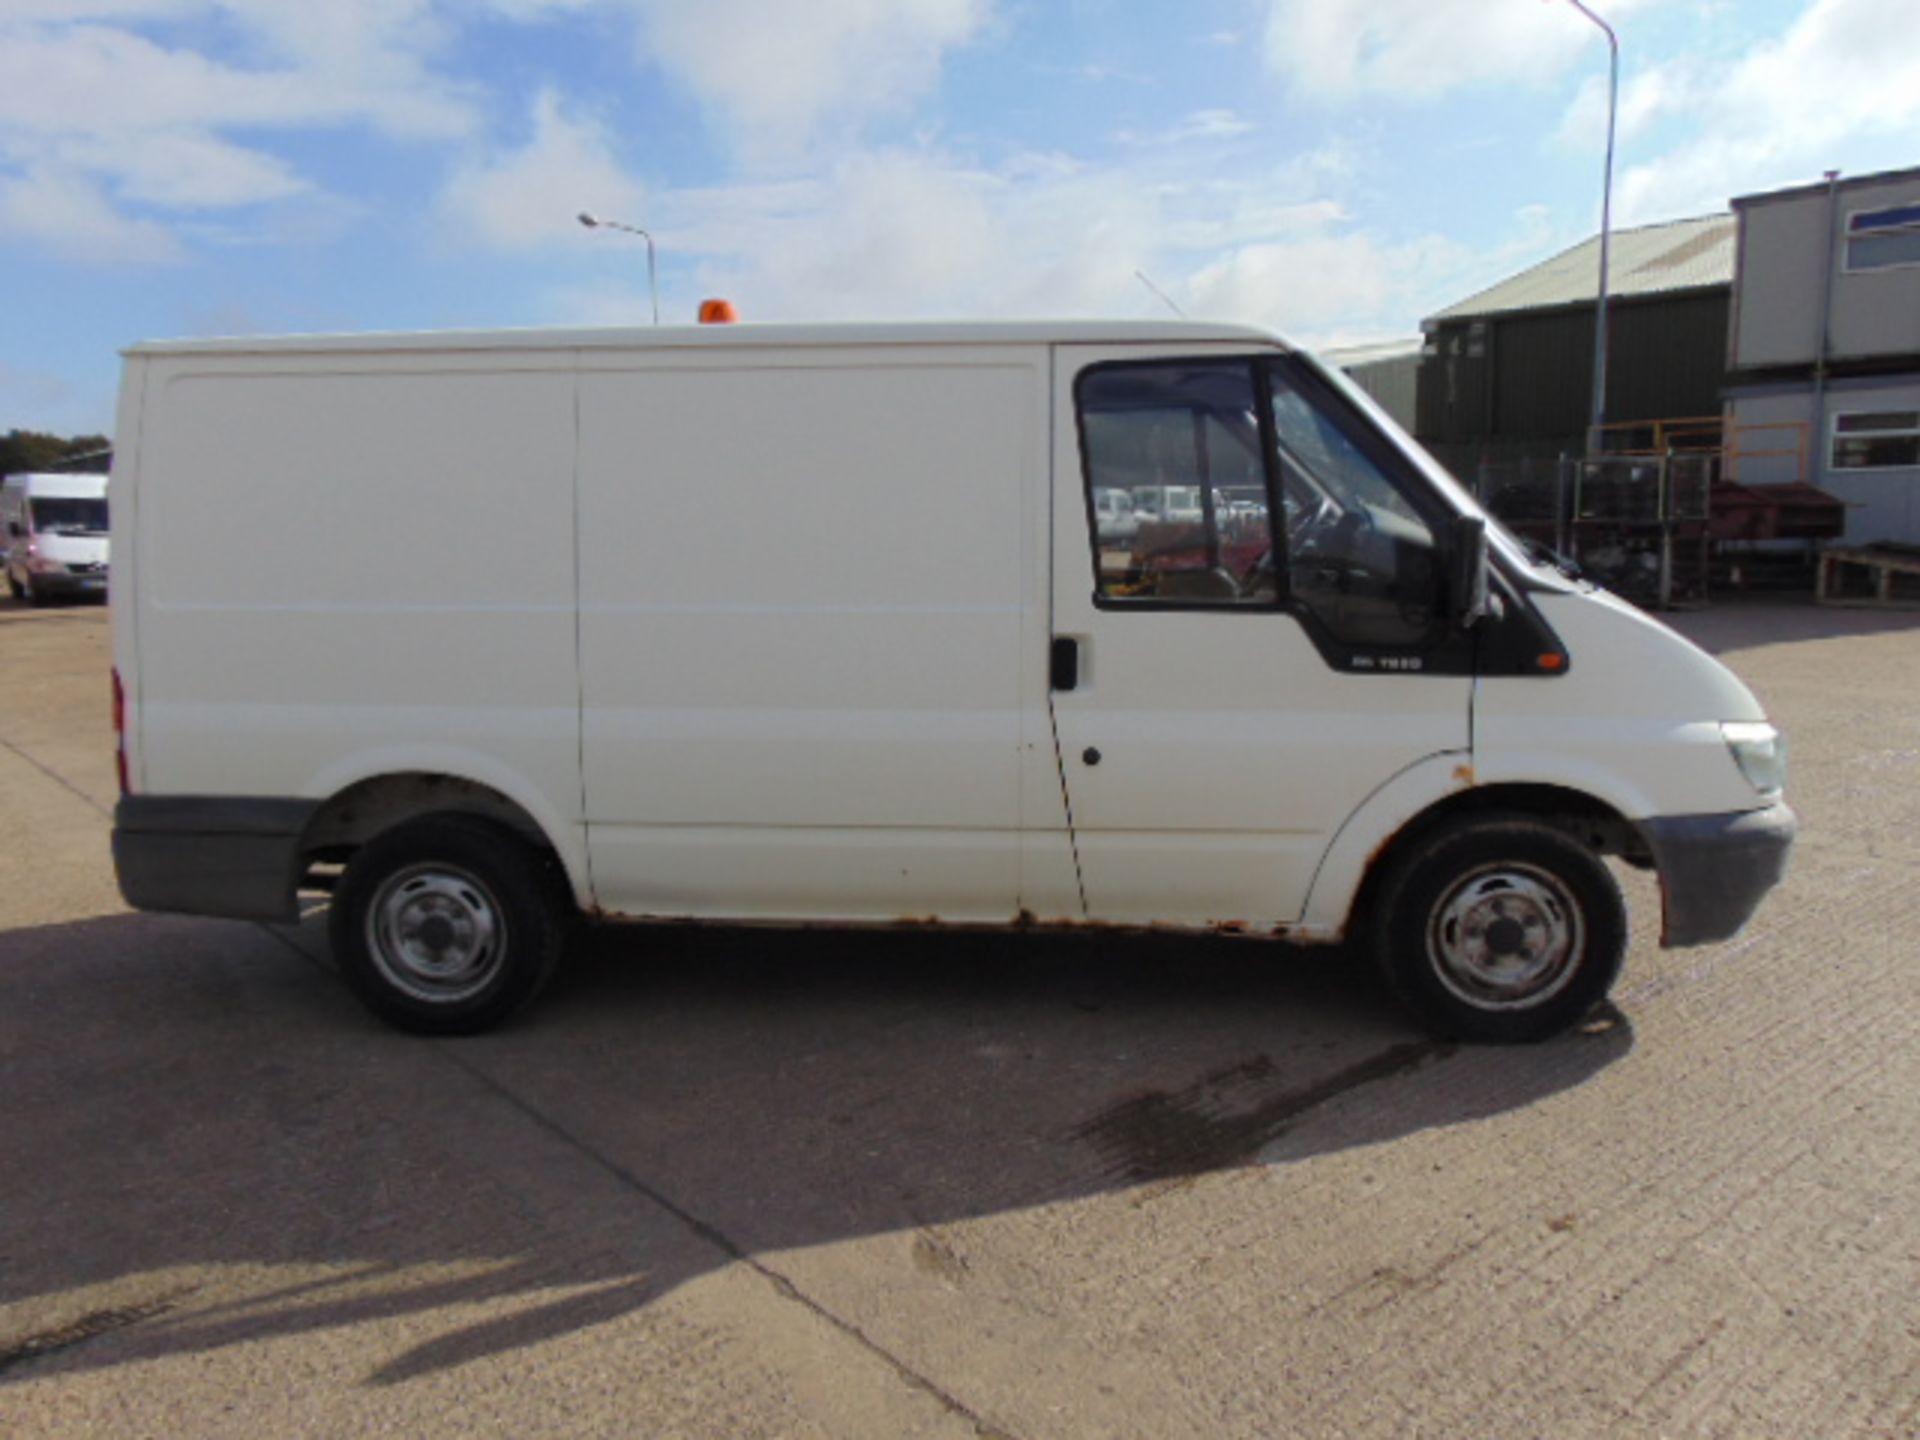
<point x="197" y="1104"/>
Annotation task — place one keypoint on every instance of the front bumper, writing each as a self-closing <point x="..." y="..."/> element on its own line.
<point x="69" y="583"/>
<point x="1715" y="869"/>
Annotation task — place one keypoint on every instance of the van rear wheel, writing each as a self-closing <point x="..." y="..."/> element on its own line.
<point x="1500" y="929"/>
<point x="448" y="924"/>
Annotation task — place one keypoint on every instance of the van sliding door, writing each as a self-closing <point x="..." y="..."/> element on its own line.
<point x="811" y="616"/>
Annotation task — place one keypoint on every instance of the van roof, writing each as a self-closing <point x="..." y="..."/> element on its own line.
<point x="631" y="337"/>
<point x="59" y="485"/>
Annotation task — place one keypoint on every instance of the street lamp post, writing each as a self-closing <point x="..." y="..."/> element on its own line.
<point x="594" y="222"/>
<point x="1606" y="223"/>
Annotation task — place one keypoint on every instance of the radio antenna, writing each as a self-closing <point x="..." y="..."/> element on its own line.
<point x="1141" y="276"/>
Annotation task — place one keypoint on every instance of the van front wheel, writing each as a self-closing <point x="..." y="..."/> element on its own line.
<point x="1501" y="929"/>
<point x="447" y="925"/>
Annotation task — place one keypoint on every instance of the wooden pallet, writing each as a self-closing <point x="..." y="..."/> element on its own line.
<point x="1882" y="564"/>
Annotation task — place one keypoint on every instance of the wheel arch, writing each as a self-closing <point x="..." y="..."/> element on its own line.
<point x="1435" y="793"/>
<point x="355" y="813"/>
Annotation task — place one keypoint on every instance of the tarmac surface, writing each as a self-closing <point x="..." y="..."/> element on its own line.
<point x="739" y="1184"/>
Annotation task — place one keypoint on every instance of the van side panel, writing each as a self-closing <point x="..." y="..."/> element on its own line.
<point x="352" y="565"/>
<point x="813" y="641"/>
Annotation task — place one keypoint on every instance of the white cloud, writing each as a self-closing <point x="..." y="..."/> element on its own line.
<point x="1334" y="288"/>
<point x="900" y="234"/>
<point x="610" y="302"/>
<point x="361" y="62"/>
<point x="526" y="198"/>
<point x="308" y="219"/>
<point x="1840" y="78"/>
<point x="1339" y="50"/>
<point x="69" y="213"/>
<point x="94" y="79"/>
<point x="182" y="171"/>
<point x="774" y="71"/>
<point x="1200" y="125"/>
<point x="21" y="12"/>
<point x="536" y="11"/>
<point x="111" y="133"/>
<point x="1222" y="215"/>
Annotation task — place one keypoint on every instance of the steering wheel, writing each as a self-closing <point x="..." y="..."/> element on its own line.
<point x="1307" y="522"/>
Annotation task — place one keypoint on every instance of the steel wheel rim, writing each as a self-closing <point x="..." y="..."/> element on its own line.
<point x="1506" y="936"/>
<point x="436" y="933"/>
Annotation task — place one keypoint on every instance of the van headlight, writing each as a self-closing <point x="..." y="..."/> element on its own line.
<point x="1760" y="751"/>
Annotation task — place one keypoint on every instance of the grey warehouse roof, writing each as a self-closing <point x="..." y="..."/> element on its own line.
<point x="1649" y="260"/>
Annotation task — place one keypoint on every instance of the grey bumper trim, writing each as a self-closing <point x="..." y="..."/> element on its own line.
<point x="1715" y="869"/>
<point x="210" y="855"/>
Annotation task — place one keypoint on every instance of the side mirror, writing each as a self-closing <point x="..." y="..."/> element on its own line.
<point x="13" y="529"/>
<point x="1468" y="588"/>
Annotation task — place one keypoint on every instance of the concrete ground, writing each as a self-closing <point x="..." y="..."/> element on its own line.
<point x="742" y="1185"/>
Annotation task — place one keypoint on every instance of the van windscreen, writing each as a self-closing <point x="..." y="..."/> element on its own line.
<point x="68" y="515"/>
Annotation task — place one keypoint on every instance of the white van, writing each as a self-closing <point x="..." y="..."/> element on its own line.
<point x="53" y="533"/>
<point x="799" y="625"/>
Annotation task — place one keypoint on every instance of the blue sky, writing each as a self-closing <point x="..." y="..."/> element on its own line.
<point x="1332" y="168"/>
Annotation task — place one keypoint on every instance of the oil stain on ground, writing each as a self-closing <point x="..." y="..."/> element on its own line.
<point x="1228" y="1116"/>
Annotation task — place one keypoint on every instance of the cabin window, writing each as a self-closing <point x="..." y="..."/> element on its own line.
<point x="1360" y="556"/>
<point x="1176" y="484"/>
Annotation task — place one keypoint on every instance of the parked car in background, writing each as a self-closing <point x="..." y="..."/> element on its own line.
<point x="1113" y="517"/>
<point x="54" y="532"/>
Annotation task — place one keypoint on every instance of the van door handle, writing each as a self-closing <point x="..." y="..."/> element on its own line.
<point x="1064" y="669"/>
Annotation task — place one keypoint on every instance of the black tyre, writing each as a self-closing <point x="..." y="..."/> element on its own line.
<point x="448" y="924"/>
<point x="1499" y="929"/>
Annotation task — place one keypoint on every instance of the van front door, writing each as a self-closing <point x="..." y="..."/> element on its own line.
<point x="1238" y="674"/>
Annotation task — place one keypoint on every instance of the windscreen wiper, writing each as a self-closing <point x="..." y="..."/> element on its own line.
<point x="1542" y="553"/>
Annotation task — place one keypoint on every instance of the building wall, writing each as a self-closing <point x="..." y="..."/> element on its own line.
<point x="1764" y="454"/>
<point x="1668" y="357"/>
<point x="1883" y="503"/>
<point x="1392" y="382"/>
<point x="1779" y="286"/>
<point x="1530" y="374"/>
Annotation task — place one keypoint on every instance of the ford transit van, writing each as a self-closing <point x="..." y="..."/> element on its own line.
<point x="820" y="625"/>
<point x="53" y="535"/>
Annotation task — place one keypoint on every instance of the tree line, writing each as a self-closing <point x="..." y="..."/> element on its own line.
<point x="22" y="451"/>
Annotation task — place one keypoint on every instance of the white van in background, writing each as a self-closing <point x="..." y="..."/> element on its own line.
<point x="804" y="625"/>
<point x="53" y="534"/>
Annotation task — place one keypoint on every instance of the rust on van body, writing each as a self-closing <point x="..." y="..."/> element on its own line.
<point x="1023" y="920"/>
